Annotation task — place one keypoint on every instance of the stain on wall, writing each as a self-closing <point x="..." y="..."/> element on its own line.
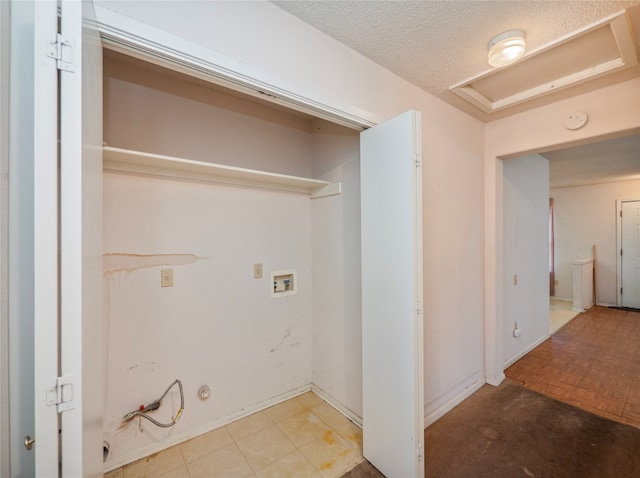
<point x="114" y="262"/>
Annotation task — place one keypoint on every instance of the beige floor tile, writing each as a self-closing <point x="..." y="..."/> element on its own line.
<point x="117" y="473"/>
<point x="309" y="400"/>
<point x="227" y="462"/>
<point x="265" y="447"/>
<point x="294" y="465"/>
<point x="559" y="318"/>
<point x="331" y="455"/>
<point x="246" y="426"/>
<point x="155" y="465"/>
<point x="206" y="443"/>
<point x="284" y="410"/>
<point x="352" y="433"/>
<point x="330" y="415"/>
<point x="303" y="428"/>
<point x="181" y="472"/>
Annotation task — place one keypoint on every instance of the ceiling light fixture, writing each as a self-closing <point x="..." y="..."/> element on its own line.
<point x="506" y="48"/>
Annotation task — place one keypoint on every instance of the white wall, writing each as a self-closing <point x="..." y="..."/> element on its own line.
<point x="526" y="254"/>
<point x="613" y="111"/>
<point x="259" y="35"/>
<point x="453" y="265"/>
<point x="166" y="113"/>
<point x="218" y="325"/>
<point x="337" y="312"/>
<point x="586" y="216"/>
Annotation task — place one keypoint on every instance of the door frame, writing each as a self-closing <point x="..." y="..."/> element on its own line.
<point x="139" y="40"/>
<point x="619" y="247"/>
<point x="33" y="240"/>
<point x="4" y="236"/>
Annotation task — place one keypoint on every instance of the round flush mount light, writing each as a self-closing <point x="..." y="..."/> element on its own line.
<point x="506" y="48"/>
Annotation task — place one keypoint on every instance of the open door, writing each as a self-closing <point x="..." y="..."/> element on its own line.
<point x="630" y="254"/>
<point x="392" y="332"/>
<point x="55" y="234"/>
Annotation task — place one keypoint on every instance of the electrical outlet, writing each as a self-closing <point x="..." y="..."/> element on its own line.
<point x="257" y="271"/>
<point x="166" y="277"/>
<point x="516" y="330"/>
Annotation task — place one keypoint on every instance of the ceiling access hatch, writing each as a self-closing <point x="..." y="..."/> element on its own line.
<point x="599" y="49"/>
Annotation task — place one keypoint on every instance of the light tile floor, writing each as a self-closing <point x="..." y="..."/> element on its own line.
<point x="302" y="437"/>
<point x="560" y="314"/>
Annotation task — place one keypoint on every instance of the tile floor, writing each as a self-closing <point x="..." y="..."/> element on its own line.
<point x="592" y="363"/>
<point x="560" y="314"/>
<point x="302" y="437"/>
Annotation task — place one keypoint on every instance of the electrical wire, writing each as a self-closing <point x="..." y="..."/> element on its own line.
<point x="142" y="411"/>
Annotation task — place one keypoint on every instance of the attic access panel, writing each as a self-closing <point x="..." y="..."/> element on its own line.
<point x="599" y="49"/>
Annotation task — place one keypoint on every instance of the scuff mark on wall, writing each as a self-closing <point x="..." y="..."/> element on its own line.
<point x="148" y="366"/>
<point x="114" y="262"/>
<point x="286" y="335"/>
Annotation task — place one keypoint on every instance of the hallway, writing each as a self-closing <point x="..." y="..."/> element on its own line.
<point x="592" y="363"/>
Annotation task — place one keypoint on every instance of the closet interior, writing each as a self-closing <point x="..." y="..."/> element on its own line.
<point x="231" y="256"/>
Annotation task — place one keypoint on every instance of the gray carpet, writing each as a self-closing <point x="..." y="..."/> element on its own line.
<point x="510" y="431"/>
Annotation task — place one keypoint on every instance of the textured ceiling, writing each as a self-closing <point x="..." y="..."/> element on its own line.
<point x="435" y="44"/>
<point x="606" y="161"/>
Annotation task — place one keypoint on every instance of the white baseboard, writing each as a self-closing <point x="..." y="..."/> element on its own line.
<point x="524" y="352"/>
<point x="350" y="414"/>
<point x="430" y="418"/>
<point x="606" y="304"/>
<point x="495" y="381"/>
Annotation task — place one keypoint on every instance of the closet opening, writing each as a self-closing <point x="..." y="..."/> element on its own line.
<point x="209" y="183"/>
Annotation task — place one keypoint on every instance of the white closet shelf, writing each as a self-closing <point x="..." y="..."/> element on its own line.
<point x="137" y="162"/>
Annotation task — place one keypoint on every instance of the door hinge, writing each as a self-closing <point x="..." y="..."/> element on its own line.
<point x="63" y="394"/>
<point x="620" y="251"/>
<point x="620" y="290"/>
<point x="418" y="161"/>
<point x="63" y="51"/>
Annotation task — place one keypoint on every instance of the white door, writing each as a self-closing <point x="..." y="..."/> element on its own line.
<point x="33" y="243"/>
<point x="55" y="284"/>
<point x="393" y="403"/>
<point x="630" y="285"/>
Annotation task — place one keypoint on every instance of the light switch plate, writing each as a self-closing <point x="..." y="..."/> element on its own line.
<point x="257" y="271"/>
<point x="166" y="277"/>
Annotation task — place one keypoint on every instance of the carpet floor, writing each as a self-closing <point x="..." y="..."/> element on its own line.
<point x="510" y="431"/>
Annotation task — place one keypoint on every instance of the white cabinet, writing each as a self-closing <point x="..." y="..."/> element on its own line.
<point x="582" y="285"/>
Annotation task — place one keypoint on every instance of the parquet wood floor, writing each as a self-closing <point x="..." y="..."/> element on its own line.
<point x="593" y="363"/>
